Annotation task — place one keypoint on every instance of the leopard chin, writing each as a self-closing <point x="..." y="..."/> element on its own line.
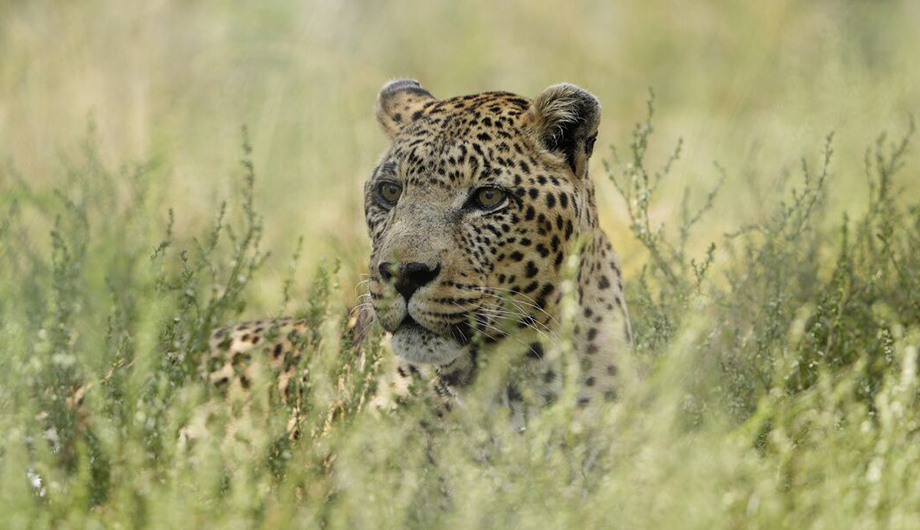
<point x="419" y="345"/>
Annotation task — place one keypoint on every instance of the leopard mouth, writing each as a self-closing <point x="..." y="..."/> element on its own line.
<point x="461" y="332"/>
<point x="410" y="324"/>
<point x="418" y="344"/>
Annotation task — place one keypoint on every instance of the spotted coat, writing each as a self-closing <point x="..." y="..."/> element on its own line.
<point x="472" y="212"/>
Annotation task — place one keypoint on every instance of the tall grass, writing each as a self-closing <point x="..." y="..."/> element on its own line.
<point x="775" y="304"/>
<point x="779" y="387"/>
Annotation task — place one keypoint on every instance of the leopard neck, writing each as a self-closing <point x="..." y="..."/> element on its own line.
<point x="602" y="330"/>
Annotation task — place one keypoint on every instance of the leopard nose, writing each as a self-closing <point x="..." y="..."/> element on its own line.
<point x="408" y="277"/>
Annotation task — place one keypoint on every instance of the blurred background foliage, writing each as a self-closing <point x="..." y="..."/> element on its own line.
<point x="747" y="84"/>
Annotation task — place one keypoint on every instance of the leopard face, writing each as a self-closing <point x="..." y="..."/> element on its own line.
<point x="472" y="211"/>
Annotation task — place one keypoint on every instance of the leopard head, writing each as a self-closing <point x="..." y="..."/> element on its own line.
<point x="472" y="211"/>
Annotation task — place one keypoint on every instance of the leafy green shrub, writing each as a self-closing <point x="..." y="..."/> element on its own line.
<point x="779" y="380"/>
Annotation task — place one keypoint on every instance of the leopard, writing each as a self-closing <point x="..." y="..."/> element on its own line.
<point x="483" y="221"/>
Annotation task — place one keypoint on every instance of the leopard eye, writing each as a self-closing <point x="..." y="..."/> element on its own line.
<point x="489" y="198"/>
<point x="389" y="191"/>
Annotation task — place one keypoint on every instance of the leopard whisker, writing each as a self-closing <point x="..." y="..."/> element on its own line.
<point x="528" y="301"/>
<point x="483" y="321"/>
<point x="503" y="334"/>
<point x="497" y="291"/>
<point x="523" y="313"/>
<point x="363" y="305"/>
<point x="549" y="335"/>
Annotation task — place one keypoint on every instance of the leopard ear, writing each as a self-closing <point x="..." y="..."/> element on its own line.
<point x="399" y="103"/>
<point x="565" y="118"/>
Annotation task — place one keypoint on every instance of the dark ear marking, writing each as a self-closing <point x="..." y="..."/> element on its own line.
<point x="565" y="119"/>
<point x="589" y="145"/>
<point x="401" y="102"/>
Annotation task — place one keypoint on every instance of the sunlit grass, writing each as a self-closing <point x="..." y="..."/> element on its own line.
<point x="778" y="390"/>
<point x="772" y="274"/>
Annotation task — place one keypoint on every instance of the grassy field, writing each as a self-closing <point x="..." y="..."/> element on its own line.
<point x="171" y="166"/>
